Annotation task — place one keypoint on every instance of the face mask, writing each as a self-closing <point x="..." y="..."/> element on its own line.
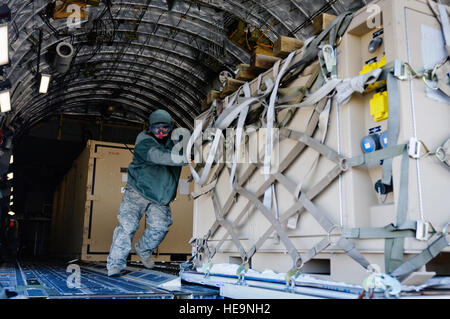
<point x="161" y="131"/>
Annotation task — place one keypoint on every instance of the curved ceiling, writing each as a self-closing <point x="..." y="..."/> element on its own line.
<point x="140" y="55"/>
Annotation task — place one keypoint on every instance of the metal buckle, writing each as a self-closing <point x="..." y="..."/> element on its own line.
<point x="292" y="274"/>
<point x="422" y="228"/>
<point x="242" y="271"/>
<point x="343" y="164"/>
<point x="440" y="154"/>
<point x="401" y="70"/>
<point x="329" y="57"/>
<point x="417" y="149"/>
<point x="328" y="62"/>
<point x="299" y="263"/>
<point x="206" y="268"/>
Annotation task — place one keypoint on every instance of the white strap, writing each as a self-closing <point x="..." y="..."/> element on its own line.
<point x="212" y="154"/>
<point x="241" y="121"/>
<point x="225" y="119"/>
<point x="347" y="87"/>
<point x="231" y="113"/>
<point x="323" y="129"/>
<point x="239" y="131"/>
<point x="445" y="24"/>
<point x="269" y="131"/>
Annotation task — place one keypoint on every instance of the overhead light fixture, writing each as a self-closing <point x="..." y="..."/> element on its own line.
<point x="11" y="213"/>
<point x="11" y="197"/>
<point x="5" y="17"/>
<point x="11" y="160"/>
<point x="10" y="176"/>
<point x="4" y="45"/>
<point x="45" y="83"/>
<point x="5" y="96"/>
<point x="11" y="204"/>
<point x="5" y="101"/>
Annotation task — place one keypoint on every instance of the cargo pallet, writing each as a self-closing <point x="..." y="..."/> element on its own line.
<point x="345" y="211"/>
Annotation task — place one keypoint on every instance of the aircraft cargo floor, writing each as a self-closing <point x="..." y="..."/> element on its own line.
<point x="58" y="281"/>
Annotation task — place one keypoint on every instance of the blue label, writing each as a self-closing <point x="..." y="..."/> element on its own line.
<point x="368" y="144"/>
<point x="383" y="140"/>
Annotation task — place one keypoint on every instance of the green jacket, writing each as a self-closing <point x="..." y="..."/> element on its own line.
<point x="153" y="173"/>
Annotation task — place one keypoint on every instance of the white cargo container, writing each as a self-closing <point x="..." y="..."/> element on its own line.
<point x="411" y="34"/>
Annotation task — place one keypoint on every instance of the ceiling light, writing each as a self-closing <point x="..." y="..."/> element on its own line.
<point x="4" y="45"/>
<point x="45" y="83"/>
<point x="5" y="101"/>
<point x="11" y="160"/>
<point x="11" y="213"/>
<point x="10" y="176"/>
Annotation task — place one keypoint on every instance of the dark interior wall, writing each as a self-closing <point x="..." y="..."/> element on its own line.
<point x="41" y="159"/>
<point x="78" y="130"/>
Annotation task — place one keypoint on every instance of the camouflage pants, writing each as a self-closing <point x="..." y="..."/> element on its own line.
<point x="158" y="218"/>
